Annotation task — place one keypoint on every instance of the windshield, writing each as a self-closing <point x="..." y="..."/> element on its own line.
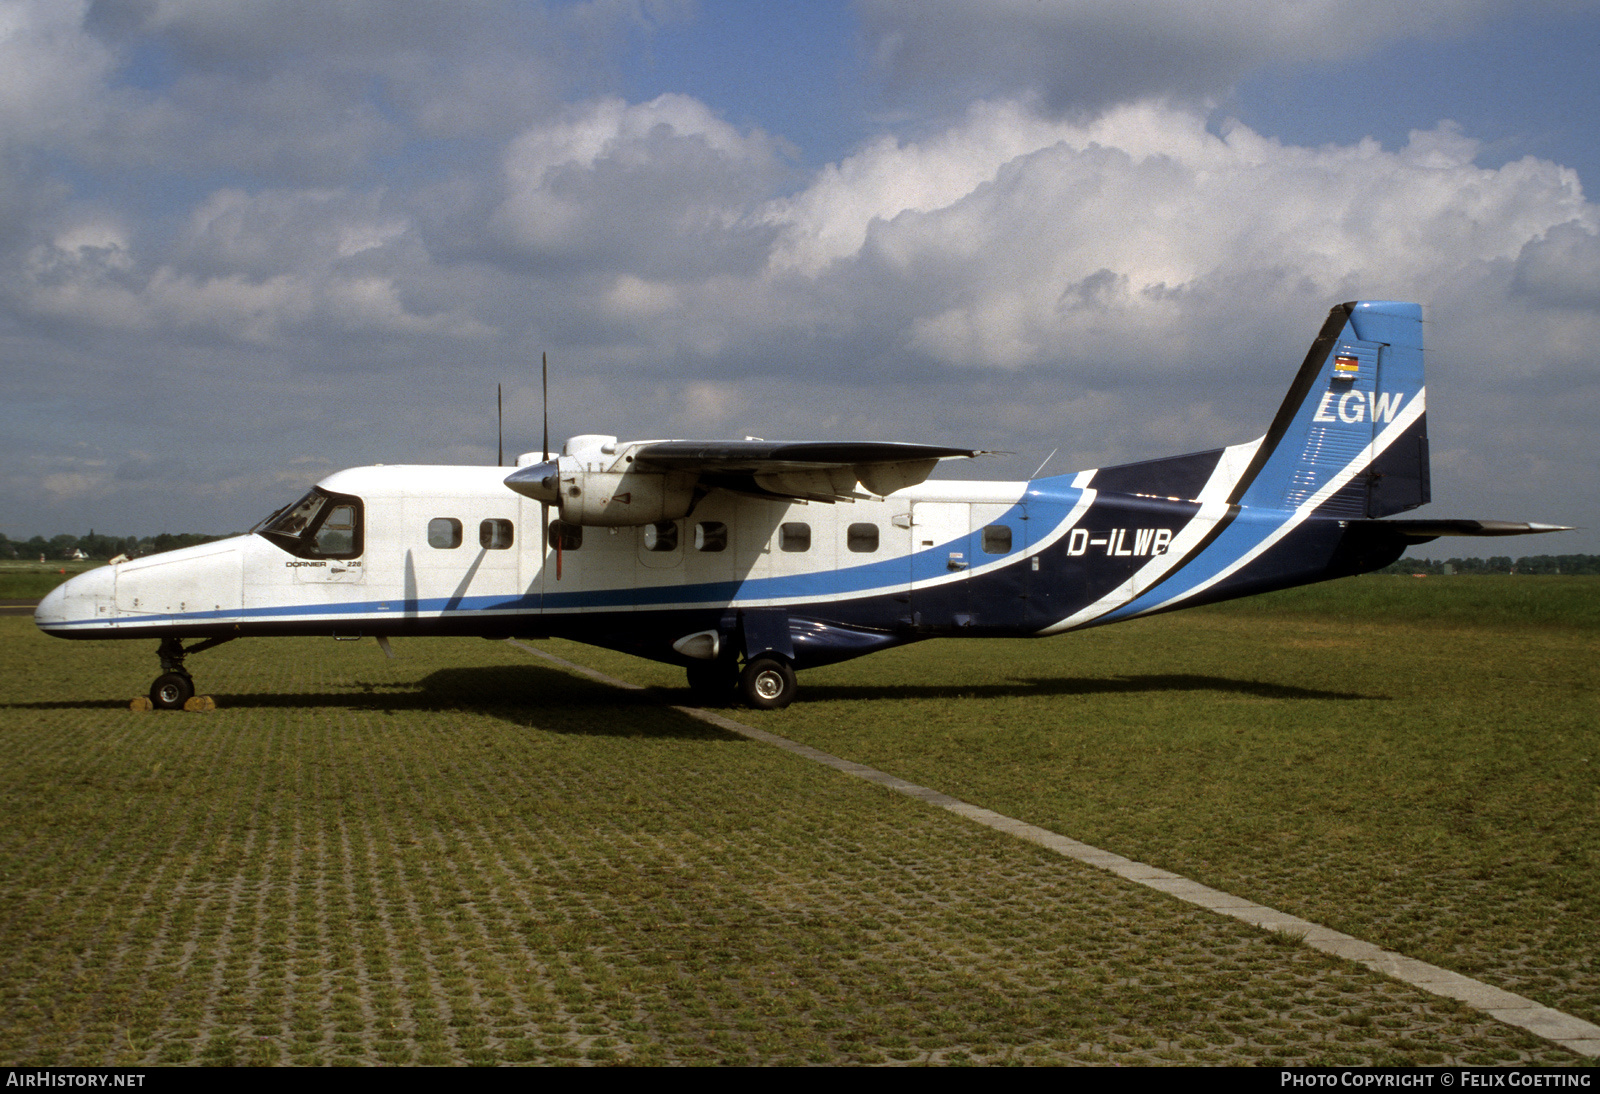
<point x="319" y="525"/>
<point x="294" y="519"/>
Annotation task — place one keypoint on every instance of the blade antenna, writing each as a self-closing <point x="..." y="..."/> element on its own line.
<point x="544" y="452"/>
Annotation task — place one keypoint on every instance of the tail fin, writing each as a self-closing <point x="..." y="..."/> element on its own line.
<point x="1349" y="444"/>
<point x="1351" y="438"/>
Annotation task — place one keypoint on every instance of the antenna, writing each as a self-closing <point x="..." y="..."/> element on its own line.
<point x="1047" y="459"/>
<point x="500" y="428"/>
<point x="544" y="507"/>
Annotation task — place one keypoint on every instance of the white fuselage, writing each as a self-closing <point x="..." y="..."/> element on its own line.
<point x="442" y="541"/>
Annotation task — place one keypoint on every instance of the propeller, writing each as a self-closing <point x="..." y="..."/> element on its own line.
<point x="544" y="451"/>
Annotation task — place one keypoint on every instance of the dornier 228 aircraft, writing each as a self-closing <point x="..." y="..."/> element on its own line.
<point x="744" y="561"/>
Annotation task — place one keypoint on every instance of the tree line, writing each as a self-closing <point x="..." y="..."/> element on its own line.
<point x="66" y="547"/>
<point x="1499" y="564"/>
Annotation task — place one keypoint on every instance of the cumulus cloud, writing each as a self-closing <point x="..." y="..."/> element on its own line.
<point x="249" y="269"/>
<point x="1089" y="54"/>
<point x="1562" y="266"/>
<point x="657" y="187"/>
<point x="53" y="75"/>
<point x="266" y="232"/>
<point x="1133" y="239"/>
<point x="296" y="91"/>
<point x="1075" y="259"/>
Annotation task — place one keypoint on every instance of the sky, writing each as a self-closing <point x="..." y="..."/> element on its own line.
<point x="246" y="243"/>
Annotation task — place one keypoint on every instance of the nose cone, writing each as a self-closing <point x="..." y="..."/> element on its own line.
<point x="77" y="602"/>
<point x="539" y="481"/>
<point x="52" y="609"/>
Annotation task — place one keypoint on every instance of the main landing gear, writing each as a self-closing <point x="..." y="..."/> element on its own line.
<point x="765" y="683"/>
<point x="175" y="687"/>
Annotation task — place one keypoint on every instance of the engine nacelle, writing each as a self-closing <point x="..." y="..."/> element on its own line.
<point x="625" y="498"/>
<point x="605" y="498"/>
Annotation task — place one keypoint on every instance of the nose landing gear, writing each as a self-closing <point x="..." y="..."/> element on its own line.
<point x="175" y="687"/>
<point x="171" y="690"/>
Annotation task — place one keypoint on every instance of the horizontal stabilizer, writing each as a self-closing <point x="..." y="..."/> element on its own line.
<point x="1421" y="531"/>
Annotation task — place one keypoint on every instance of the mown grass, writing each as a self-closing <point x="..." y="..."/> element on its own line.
<point x="1415" y="762"/>
<point x="464" y="856"/>
<point x="23" y="580"/>
<point x="1464" y="600"/>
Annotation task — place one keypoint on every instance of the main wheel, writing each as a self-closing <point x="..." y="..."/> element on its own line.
<point x="767" y="683"/>
<point x="713" y="680"/>
<point x="171" y="690"/>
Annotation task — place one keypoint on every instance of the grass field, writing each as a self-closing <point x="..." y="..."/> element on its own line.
<point x="22" y="579"/>
<point x="467" y="856"/>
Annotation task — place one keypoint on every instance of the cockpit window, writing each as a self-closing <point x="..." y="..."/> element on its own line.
<point x="319" y="525"/>
<point x="336" y="535"/>
<point x="296" y="518"/>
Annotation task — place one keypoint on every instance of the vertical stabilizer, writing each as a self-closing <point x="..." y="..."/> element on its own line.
<point x="1350" y="440"/>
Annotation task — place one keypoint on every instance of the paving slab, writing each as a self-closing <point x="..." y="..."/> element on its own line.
<point x="1569" y="1031"/>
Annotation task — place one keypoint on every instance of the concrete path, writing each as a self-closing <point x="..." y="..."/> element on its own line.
<point x="1566" y="1030"/>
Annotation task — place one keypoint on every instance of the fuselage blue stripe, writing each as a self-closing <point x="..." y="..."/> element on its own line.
<point x="886" y="575"/>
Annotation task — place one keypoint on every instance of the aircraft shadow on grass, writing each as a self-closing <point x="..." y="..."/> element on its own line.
<point x="549" y="697"/>
<point x="531" y="695"/>
<point x="1082" y="686"/>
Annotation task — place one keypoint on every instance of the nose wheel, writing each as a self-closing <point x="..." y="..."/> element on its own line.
<point x="171" y="690"/>
<point x="175" y="687"/>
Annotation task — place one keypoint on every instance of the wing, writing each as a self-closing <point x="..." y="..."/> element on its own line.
<point x="807" y="470"/>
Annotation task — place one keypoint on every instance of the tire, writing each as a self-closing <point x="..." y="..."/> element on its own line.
<point x="713" y="681"/>
<point x="171" y="690"/>
<point x="767" y="684"/>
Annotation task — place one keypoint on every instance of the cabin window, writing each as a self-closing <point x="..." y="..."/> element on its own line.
<point x="495" y="535"/>
<point x="710" y="535"/>
<point x="862" y="538"/>
<point x="997" y="539"/>
<point x="662" y="536"/>
<point x="444" y="533"/>
<point x="794" y="536"/>
<point x="564" y="536"/>
<point x="319" y="525"/>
